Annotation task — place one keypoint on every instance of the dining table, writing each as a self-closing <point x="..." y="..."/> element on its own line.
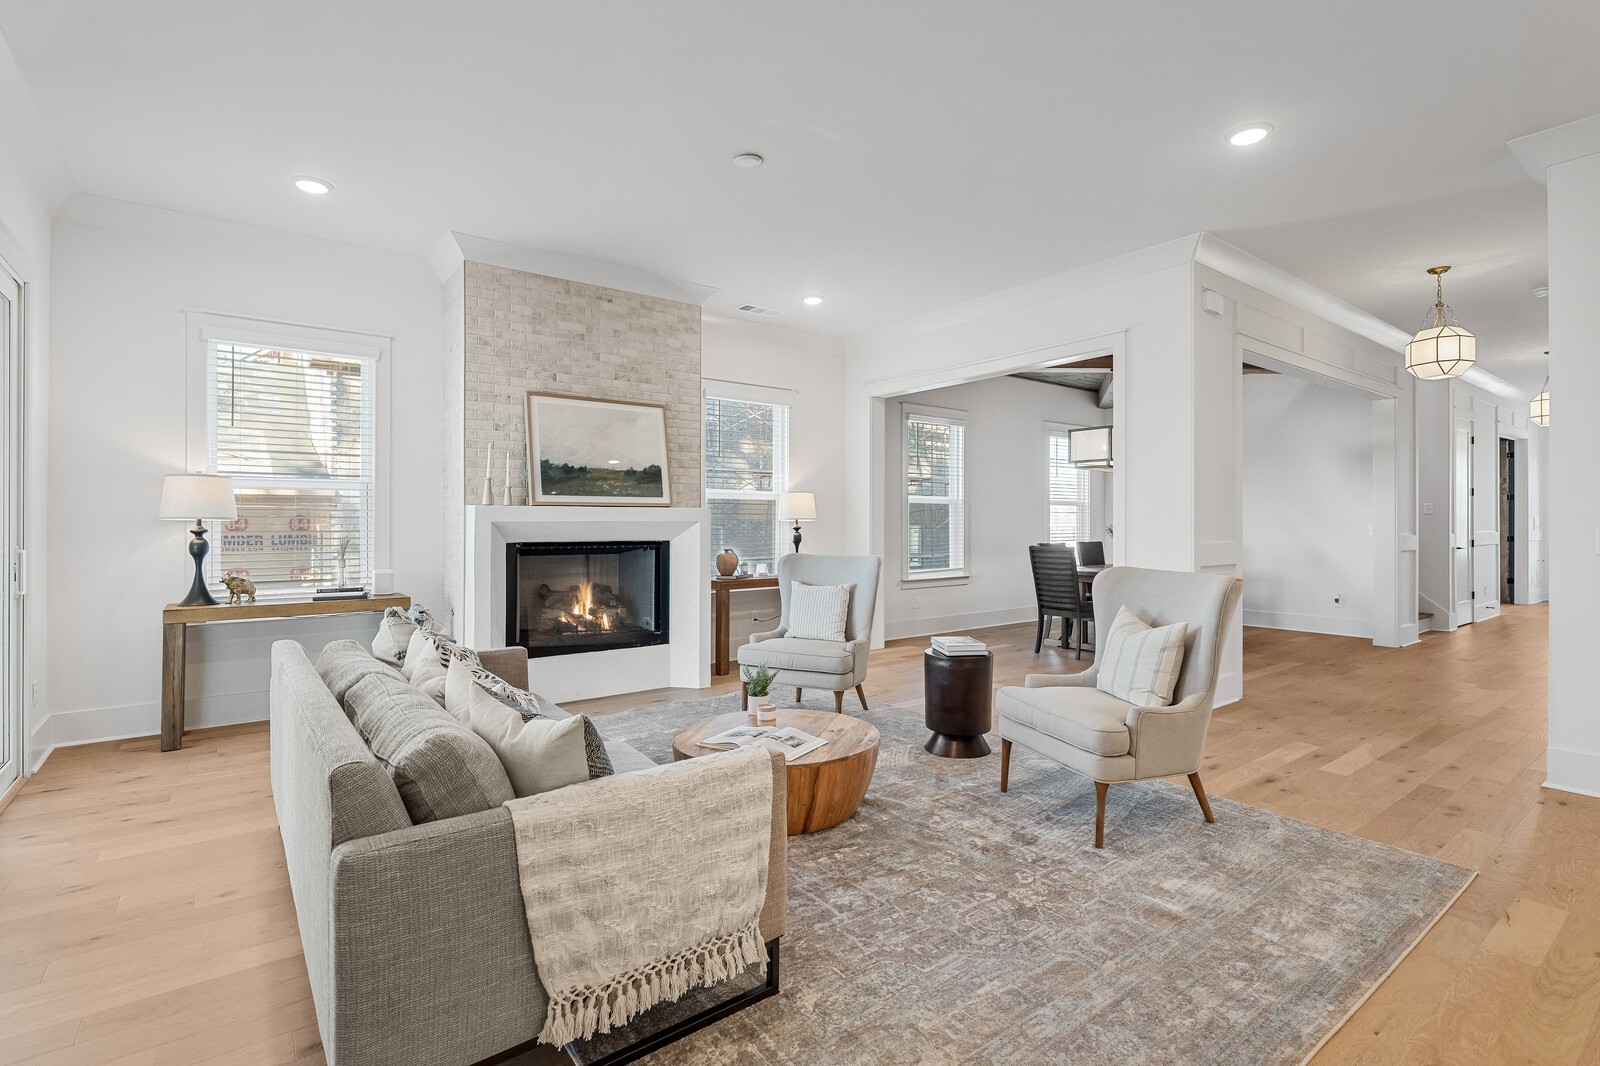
<point x="1086" y="576"/>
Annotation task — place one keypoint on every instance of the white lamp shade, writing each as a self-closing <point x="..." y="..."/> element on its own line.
<point x="1539" y="408"/>
<point x="1441" y="352"/>
<point x="186" y="497"/>
<point x="1089" y="448"/>
<point x="798" y="507"/>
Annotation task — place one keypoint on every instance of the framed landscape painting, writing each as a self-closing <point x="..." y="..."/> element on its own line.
<point x="596" y="451"/>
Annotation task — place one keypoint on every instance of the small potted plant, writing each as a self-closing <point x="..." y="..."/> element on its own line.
<point x="758" y="683"/>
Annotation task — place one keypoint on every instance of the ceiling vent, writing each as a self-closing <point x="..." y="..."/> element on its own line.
<point x="755" y="309"/>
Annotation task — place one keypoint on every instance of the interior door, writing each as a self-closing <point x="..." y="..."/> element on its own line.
<point x="1485" y="524"/>
<point x="1461" y="523"/>
<point x="10" y="528"/>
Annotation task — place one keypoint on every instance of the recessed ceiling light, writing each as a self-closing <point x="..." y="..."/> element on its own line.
<point x="314" y="186"/>
<point x="812" y="300"/>
<point x="748" y="160"/>
<point x="1249" y="133"/>
<point x="614" y="462"/>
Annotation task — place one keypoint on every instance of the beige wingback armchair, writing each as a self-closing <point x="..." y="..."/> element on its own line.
<point x="1067" y="719"/>
<point x="825" y="664"/>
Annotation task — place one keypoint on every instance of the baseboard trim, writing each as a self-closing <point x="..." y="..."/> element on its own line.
<point x="1577" y="772"/>
<point x="11" y="793"/>
<point x="957" y="623"/>
<point x="97" y="725"/>
<point x="1310" y="623"/>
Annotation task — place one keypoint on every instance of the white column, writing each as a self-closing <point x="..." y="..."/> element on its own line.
<point x="1567" y="158"/>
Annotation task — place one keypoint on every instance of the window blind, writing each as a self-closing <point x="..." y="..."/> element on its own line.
<point x="295" y="430"/>
<point x="747" y="462"/>
<point x="936" y="514"/>
<point x="1069" y="494"/>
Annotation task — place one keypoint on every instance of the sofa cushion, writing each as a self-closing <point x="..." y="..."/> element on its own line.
<point x="626" y="759"/>
<point x="1140" y="663"/>
<point x="1086" y="718"/>
<point x="441" y="768"/>
<point x="817" y="612"/>
<point x="528" y="705"/>
<point x="343" y="663"/>
<point x="796" y="653"/>
<point x="429" y="656"/>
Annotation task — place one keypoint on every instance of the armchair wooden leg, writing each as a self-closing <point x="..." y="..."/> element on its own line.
<point x="744" y="696"/>
<point x="862" y="696"/>
<point x="1005" y="763"/>
<point x="1200" y="794"/>
<point x="798" y="693"/>
<point x="838" y="702"/>
<point x="1100" y="789"/>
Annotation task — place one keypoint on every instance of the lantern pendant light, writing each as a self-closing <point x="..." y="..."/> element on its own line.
<point x="1539" y="406"/>
<point x="1441" y="349"/>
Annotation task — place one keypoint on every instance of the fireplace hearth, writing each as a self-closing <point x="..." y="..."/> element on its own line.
<point x="569" y="597"/>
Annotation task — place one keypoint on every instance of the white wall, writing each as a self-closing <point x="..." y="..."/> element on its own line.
<point x="122" y="276"/>
<point x="811" y="368"/>
<point x="1567" y="158"/>
<point x="1307" y="507"/>
<point x="32" y="184"/>
<point x="1007" y="478"/>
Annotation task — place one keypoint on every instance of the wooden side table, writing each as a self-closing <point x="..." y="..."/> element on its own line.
<point x="175" y="623"/>
<point x="823" y="787"/>
<point x="721" y="587"/>
<point x="957" y="693"/>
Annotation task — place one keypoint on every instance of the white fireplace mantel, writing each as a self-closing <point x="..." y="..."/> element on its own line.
<point x="683" y="662"/>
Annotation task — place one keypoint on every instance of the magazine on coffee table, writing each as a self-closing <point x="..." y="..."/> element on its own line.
<point x="790" y="742"/>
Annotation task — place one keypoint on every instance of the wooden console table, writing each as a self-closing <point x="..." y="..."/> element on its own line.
<point x="175" y="623"/>
<point x="720" y="588"/>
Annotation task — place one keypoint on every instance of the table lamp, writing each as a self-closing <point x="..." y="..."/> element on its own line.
<point x="798" y="507"/>
<point x="193" y="497"/>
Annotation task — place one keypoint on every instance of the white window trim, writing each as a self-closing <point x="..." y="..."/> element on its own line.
<point x="201" y="327"/>
<point x="740" y="392"/>
<point x="959" y="575"/>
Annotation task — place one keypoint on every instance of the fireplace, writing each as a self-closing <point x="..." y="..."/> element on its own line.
<point x="568" y="597"/>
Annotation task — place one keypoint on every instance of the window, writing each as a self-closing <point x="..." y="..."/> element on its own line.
<point x="295" y="429"/>
<point x="936" y="506"/>
<point x="747" y="460"/>
<point x="1069" y="492"/>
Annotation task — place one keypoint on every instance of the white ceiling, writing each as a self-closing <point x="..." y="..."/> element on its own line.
<point x="918" y="153"/>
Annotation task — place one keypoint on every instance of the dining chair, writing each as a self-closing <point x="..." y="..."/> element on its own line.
<point x="1091" y="553"/>
<point x="1055" y="588"/>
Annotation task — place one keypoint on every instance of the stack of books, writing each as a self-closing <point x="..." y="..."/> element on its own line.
<point x="341" y="592"/>
<point x="959" y="646"/>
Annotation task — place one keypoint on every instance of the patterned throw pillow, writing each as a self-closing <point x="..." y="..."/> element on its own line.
<point x="1140" y="663"/>
<point x="531" y="705"/>
<point x="427" y="658"/>
<point x="817" y="612"/>
<point x="394" y="634"/>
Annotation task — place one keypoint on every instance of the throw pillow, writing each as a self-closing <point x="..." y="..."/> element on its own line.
<point x="428" y="657"/>
<point x="528" y="705"/>
<point x="817" y="612"/>
<point x="441" y="768"/>
<point x="1140" y="663"/>
<point x="343" y="663"/>
<point x="394" y="635"/>
<point x="539" y="754"/>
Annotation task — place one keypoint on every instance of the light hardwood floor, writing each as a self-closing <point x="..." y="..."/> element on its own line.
<point x="145" y="916"/>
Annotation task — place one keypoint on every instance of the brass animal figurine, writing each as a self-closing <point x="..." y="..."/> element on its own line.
<point x="240" y="589"/>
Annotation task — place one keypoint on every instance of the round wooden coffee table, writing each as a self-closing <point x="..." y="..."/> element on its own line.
<point x="824" y="786"/>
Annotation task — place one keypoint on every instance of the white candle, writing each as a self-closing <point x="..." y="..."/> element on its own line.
<point x="488" y="457"/>
<point x="508" y="471"/>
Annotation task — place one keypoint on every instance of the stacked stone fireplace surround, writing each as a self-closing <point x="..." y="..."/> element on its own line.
<point x="508" y="332"/>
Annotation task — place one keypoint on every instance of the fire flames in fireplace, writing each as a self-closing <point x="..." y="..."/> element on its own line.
<point x="586" y="616"/>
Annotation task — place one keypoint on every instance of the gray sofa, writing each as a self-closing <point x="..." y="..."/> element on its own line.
<point x="415" y="938"/>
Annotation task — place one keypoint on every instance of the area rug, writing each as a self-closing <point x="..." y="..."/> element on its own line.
<point x="948" y="923"/>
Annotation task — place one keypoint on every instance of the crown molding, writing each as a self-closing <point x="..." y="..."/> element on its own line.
<point x="457" y="248"/>
<point x="1538" y="152"/>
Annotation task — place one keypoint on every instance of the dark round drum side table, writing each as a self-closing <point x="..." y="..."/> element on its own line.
<point x="957" y="693"/>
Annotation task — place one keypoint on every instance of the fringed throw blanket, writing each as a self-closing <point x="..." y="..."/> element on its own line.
<point x="643" y="886"/>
